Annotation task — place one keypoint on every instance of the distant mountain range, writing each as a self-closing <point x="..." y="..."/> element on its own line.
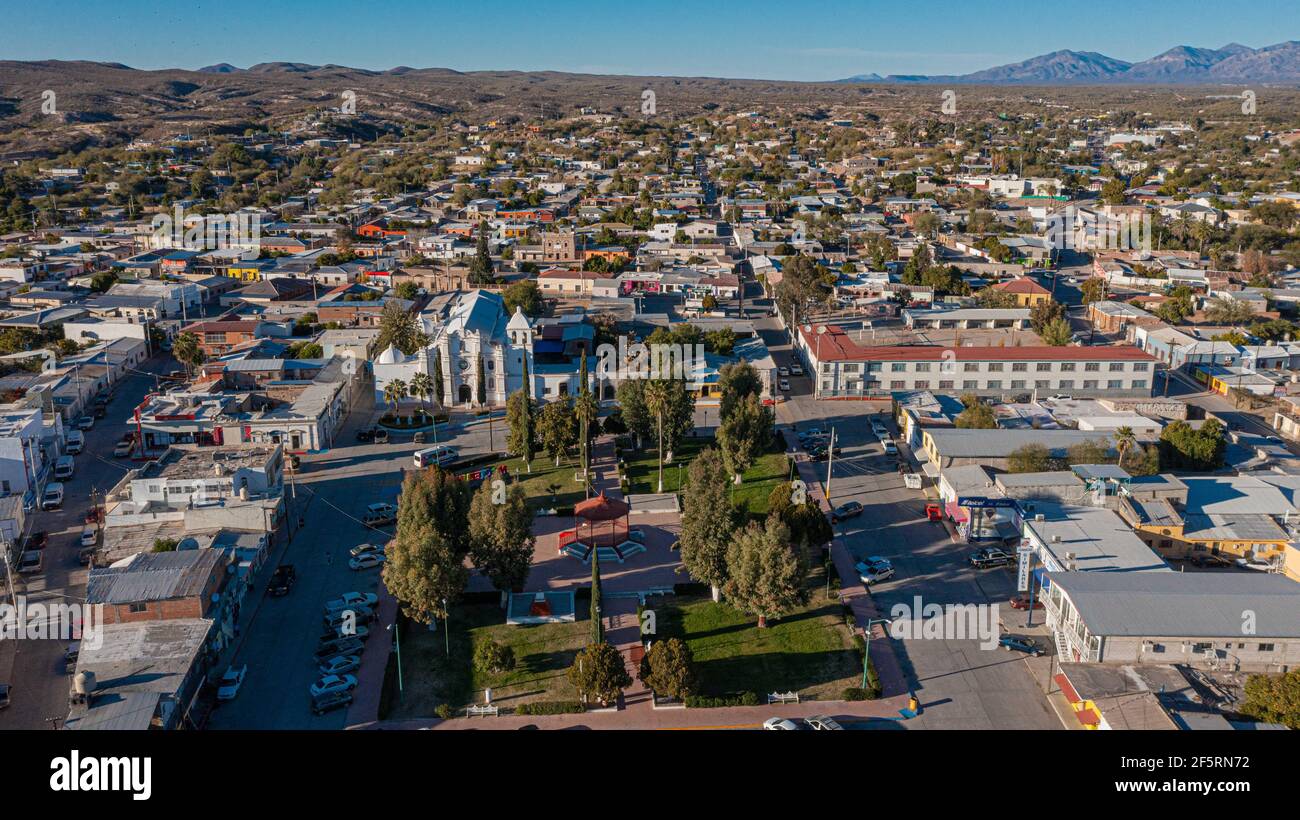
<point x="1233" y="63"/>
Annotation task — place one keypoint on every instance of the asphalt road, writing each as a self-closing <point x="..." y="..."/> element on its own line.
<point x="35" y="668"/>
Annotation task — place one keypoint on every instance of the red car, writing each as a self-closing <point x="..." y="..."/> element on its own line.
<point x="1022" y="602"/>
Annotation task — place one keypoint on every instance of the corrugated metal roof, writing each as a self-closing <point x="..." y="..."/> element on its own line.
<point x="1183" y="605"/>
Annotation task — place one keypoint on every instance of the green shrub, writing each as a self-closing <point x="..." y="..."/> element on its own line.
<point x="856" y="693"/>
<point x="443" y="711"/>
<point x="551" y="707"/>
<point x="742" y="699"/>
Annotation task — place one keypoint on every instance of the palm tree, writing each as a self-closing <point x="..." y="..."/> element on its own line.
<point x="1124" y="441"/>
<point x="394" y="392"/>
<point x="657" y="396"/>
<point x="421" y="387"/>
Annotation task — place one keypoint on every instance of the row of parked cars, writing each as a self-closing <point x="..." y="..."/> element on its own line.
<point x="347" y="621"/>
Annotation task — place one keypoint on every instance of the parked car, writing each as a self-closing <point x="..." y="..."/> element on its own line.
<point x="380" y="515"/>
<point x="367" y="561"/>
<point x="845" y="511"/>
<point x="350" y="615"/>
<point x="231" y="681"/>
<point x="89" y="536"/>
<point x="783" y="386"/>
<point x="282" y="580"/>
<point x="31" y="561"/>
<point x="338" y="646"/>
<point x="70" y="656"/>
<point x="366" y="549"/>
<point x="36" y="540"/>
<point x="340" y="665"/>
<point x="380" y="436"/>
<point x="64" y="467"/>
<point x="874" y="574"/>
<point x="333" y="683"/>
<point x="352" y="599"/>
<point x="796" y="369"/>
<point x="329" y="702"/>
<point x="358" y="631"/>
<point x="418" y="438"/>
<point x="5" y="691"/>
<point x="99" y="411"/>
<point x="890" y="449"/>
<point x="123" y="448"/>
<point x="74" y="442"/>
<point x="780" y="724"/>
<point x="85" y="422"/>
<point x="822" y="723"/>
<point x="53" y="497"/>
<point x="366" y="434"/>
<point x="783" y="372"/>
<point x="990" y="557"/>
<point x="1023" y="602"/>
<point x="1255" y="564"/>
<point x="1018" y="643"/>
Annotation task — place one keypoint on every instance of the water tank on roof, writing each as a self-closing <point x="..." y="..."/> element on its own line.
<point x="83" y="684"/>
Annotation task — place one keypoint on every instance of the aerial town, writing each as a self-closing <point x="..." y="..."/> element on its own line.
<point x="900" y="407"/>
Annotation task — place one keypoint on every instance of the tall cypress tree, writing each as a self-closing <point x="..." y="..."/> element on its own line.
<point x="597" y="628"/>
<point x="528" y="415"/>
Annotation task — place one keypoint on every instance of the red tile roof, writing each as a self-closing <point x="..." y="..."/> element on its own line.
<point x="1021" y="284"/>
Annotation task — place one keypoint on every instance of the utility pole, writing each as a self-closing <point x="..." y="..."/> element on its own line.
<point x="830" y="460"/>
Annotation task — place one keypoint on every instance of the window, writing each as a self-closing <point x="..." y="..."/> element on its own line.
<point x="1139" y="384"/>
<point x="1158" y="648"/>
<point x="922" y="367"/>
<point x="921" y="385"/>
<point x="1019" y="367"/>
<point x="873" y="367"/>
<point x="971" y="367"/>
<point x="995" y="384"/>
<point x="1042" y="384"/>
<point x="1017" y="384"/>
<point x="138" y="606"/>
<point x="898" y="367"/>
<point x="897" y="385"/>
<point x="1200" y="648"/>
<point x="1089" y="384"/>
<point x="1265" y="647"/>
<point x="995" y="367"/>
<point x="970" y="384"/>
<point x="851" y="368"/>
<point x="1114" y="384"/>
<point x="1067" y="367"/>
<point x="1043" y="367"/>
<point x="1116" y="367"/>
<point x="945" y="384"/>
<point x="1066" y="384"/>
<point x="1091" y="367"/>
<point x="1141" y="367"/>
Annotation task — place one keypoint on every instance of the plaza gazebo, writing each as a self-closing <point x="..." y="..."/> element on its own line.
<point x="606" y="528"/>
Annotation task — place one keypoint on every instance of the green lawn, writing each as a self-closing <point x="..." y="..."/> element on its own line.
<point x="543" y="653"/>
<point x="751" y="494"/>
<point x="809" y="651"/>
<point x="547" y="485"/>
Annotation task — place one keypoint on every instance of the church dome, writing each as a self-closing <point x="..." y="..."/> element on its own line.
<point x="390" y="356"/>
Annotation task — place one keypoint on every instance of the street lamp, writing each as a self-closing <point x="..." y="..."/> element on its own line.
<point x="866" y="653"/>
<point x="817" y="376"/>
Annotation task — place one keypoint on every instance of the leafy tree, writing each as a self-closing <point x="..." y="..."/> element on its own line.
<point x="764" y="576"/>
<point x="1228" y="312"/>
<point x="669" y="669"/>
<point x="722" y="341"/>
<point x="1273" y="330"/>
<point x="977" y="415"/>
<point x="599" y="673"/>
<point x="1088" y="452"/>
<point x="481" y="269"/>
<point x="1030" y="458"/>
<point x="1112" y="192"/>
<point x="1093" y="290"/>
<point x="407" y="290"/>
<point x="807" y="523"/>
<point x="556" y="428"/>
<point x="735" y="382"/>
<point x="1182" y="447"/>
<point x="745" y="434"/>
<point x="522" y="438"/>
<point x="707" y="521"/>
<point x="435" y="369"/>
<point x="423" y="567"/>
<point x="597" y="622"/>
<point x="1274" y="698"/>
<point x="1042" y="313"/>
<point x="501" y="540"/>
<point x="491" y="657"/>
<point x="185" y="347"/>
<point x="1056" y="333"/>
<point x="103" y="280"/>
<point x="587" y="411"/>
<point x="525" y="295"/>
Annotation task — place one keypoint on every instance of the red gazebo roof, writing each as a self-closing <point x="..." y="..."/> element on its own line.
<point x="601" y="508"/>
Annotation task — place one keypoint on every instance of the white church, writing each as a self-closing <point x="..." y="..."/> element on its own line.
<point x="472" y="334"/>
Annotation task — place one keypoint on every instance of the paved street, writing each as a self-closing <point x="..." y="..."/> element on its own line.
<point x="35" y="668"/>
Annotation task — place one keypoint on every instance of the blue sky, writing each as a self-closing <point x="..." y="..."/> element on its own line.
<point x="759" y="38"/>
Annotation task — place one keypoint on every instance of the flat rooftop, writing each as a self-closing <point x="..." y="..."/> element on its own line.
<point x="1090" y="539"/>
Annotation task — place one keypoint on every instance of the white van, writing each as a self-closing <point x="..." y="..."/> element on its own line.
<point x="440" y="455"/>
<point x="74" y="441"/>
<point x="53" y="497"/>
<point x="63" y="467"/>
